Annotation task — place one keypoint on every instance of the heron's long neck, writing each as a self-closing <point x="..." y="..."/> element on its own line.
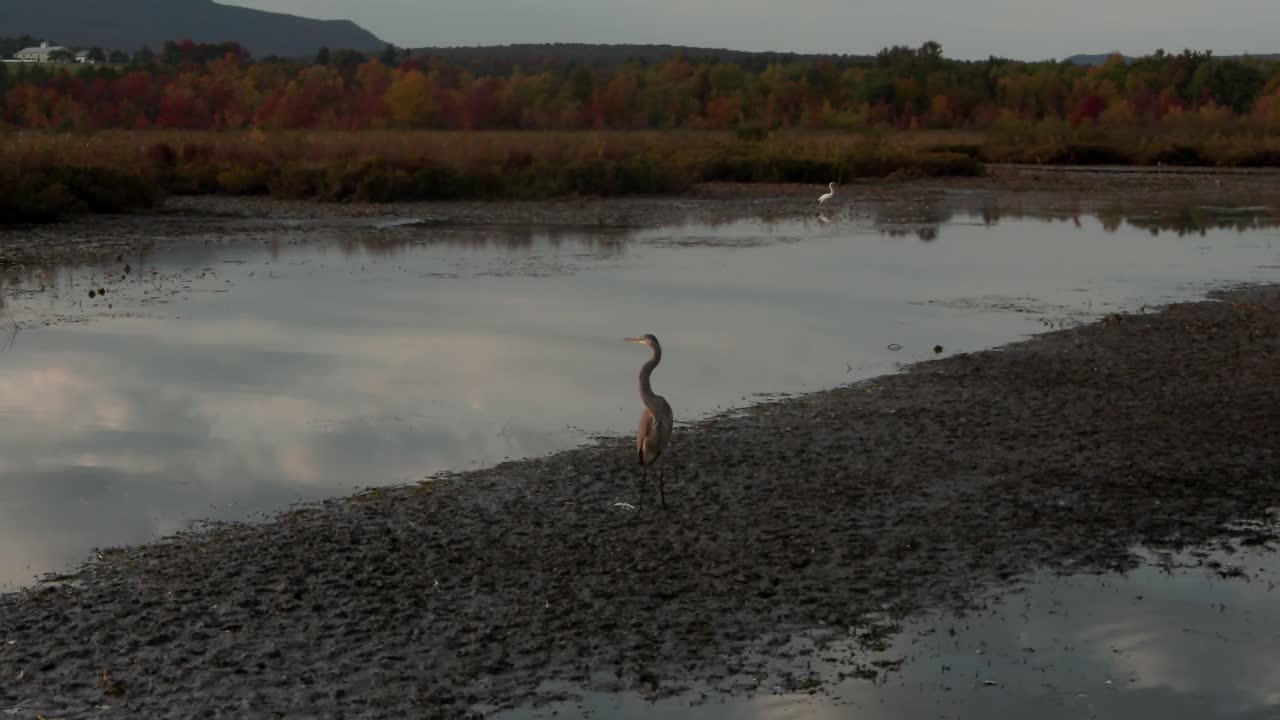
<point x="646" y="390"/>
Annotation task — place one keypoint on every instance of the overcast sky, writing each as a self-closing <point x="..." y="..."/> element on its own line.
<point x="1023" y="29"/>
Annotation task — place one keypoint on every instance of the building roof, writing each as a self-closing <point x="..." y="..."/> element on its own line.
<point x="43" y="48"/>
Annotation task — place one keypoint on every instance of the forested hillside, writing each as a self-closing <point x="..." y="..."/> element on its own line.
<point x="196" y="86"/>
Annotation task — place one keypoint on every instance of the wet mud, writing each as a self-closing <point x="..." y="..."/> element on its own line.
<point x="834" y="514"/>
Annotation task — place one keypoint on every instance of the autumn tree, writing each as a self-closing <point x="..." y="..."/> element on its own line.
<point x="410" y="99"/>
<point x="369" y="106"/>
<point x="197" y="85"/>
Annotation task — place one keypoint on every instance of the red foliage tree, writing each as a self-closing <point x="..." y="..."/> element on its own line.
<point x="1089" y="108"/>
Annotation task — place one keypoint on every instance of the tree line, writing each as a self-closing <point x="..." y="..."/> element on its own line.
<point x="219" y="86"/>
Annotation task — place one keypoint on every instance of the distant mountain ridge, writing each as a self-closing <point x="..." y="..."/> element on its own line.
<point x="1091" y="60"/>
<point x="1100" y="58"/>
<point x="499" y="56"/>
<point x="129" y="24"/>
<point x="608" y="54"/>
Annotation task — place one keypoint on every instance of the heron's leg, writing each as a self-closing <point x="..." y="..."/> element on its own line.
<point x="662" y="496"/>
<point x="644" y="474"/>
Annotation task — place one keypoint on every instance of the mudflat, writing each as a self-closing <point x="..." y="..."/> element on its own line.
<point x="1002" y="189"/>
<point x="834" y="510"/>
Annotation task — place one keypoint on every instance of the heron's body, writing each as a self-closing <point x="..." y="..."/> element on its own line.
<point x="656" y="421"/>
<point x="654" y="433"/>
<point x="827" y="196"/>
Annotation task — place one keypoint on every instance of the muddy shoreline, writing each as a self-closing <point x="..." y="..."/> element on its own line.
<point x="1002" y="190"/>
<point x="839" y="511"/>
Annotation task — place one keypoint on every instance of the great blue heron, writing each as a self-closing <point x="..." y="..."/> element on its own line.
<point x="655" y="422"/>
<point x="827" y="196"/>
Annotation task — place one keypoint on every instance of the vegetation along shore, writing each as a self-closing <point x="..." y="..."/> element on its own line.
<point x="201" y="119"/>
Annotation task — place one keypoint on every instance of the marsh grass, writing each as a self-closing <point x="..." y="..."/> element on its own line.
<point x="1192" y="138"/>
<point x="49" y="192"/>
<point x="44" y="175"/>
<point x="390" y="166"/>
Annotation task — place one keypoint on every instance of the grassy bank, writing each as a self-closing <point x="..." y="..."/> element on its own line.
<point x="1193" y="139"/>
<point x="390" y="166"/>
<point x="46" y="193"/>
<point x="47" y="175"/>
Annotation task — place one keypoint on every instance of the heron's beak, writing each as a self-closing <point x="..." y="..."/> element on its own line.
<point x="634" y="340"/>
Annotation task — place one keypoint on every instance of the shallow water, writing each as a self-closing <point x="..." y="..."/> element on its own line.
<point x="228" y="378"/>
<point x="1176" y="638"/>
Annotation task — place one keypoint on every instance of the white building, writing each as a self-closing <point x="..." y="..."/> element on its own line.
<point x="42" y="54"/>
<point x="83" y="57"/>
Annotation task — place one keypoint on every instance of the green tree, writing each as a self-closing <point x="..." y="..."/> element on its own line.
<point x="346" y="62"/>
<point x="322" y="56"/>
<point x="10" y="46"/>
<point x="390" y="56"/>
<point x="581" y="84"/>
<point x="1229" y="82"/>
